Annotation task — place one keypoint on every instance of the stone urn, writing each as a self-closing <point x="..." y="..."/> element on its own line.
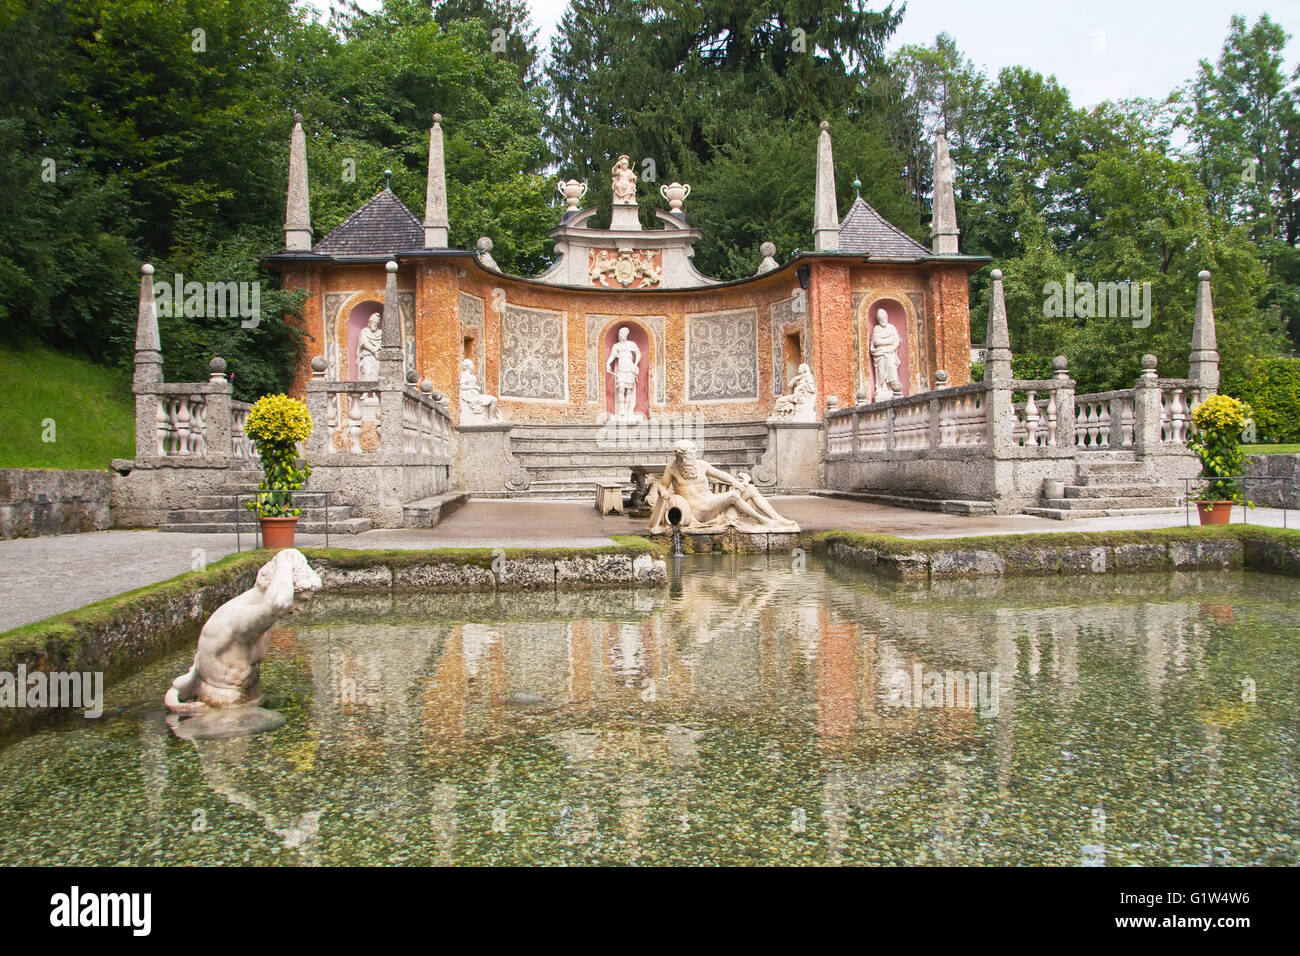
<point x="572" y="191"/>
<point x="676" y="194"/>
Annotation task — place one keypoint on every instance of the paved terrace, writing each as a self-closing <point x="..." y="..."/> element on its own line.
<point x="40" y="577"/>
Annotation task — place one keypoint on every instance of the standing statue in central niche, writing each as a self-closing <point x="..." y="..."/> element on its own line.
<point x="884" y="356"/>
<point x="624" y="183"/>
<point x="625" y="365"/>
<point x="368" y="345"/>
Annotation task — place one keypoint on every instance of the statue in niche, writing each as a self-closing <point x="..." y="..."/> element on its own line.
<point x="624" y="183"/>
<point x="801" y="404"/>
<point x="227" y="666"/>
<point x="369" y="342"/>
<point x="475" y="407"/>
<point x="884" y="357"/>
<point x="684" y="497"/>
<point x="625" y="365"/>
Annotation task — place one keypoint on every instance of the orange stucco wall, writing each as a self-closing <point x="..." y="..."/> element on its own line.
<point x="936" y="296"/>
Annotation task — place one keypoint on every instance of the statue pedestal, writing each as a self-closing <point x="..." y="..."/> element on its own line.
<point x="484" y="461"/>
<point x="792" y="461"/>
<point x="731" y="541"/>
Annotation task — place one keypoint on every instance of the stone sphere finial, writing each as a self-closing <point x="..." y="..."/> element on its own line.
<point x="484" y="244"/>
<point x="1203" y="275"/>
<point x="437" y="396"/>
<point x="426" y="386"/>
<point x="1060" y="363"/>
<point x="860" y="398"/>
<point x="412" y="377"/>
<point x="217" y="366"/>
<point x="391" y="266"/>
<point x="437" y="118"/>
<point x="825" y="125"/>
<point x="318" y="364"/>
<point x="832" y="402"/>
<point x="146" y="269"/>
<point x="997" y="275"/>
<point x="940" y="379"/>
<point x="768" y="249"/>
<point x="297" y="119"/>
<point x="1148" y="361"/>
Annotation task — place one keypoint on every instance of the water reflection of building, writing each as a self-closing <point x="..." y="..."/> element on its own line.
<point x="627" y="694"/>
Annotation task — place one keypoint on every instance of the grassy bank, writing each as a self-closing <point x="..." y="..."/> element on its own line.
<point x="86" y="409"/>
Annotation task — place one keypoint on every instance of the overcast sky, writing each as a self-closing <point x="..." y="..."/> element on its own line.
<point x="1098" y="49"/>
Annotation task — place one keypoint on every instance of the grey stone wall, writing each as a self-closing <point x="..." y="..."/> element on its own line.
<point x="1280" y="484"/>
<point x="39" y="501"/>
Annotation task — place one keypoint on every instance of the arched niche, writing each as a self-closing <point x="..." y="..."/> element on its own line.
<point x="640" y="335"/>
<point x="897" y="314"/>
<point x="357" y="319"/>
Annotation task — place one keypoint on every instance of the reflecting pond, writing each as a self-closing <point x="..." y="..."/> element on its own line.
<point x="755" y="712"/>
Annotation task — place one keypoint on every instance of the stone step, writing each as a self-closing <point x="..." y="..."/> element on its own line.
<point x="666" y="428"/>
<point x="524" y="446"/>
<point x="1149" y="479"/>
<point x="427" y="512"/>
<point x="343" y="526"/>
<point x="1064" y="514"/>
<point x="1119" y="491"/>
<point x="558" y="467"/>
<point x="951" y="506"/>
<point x="1109" y="505"/>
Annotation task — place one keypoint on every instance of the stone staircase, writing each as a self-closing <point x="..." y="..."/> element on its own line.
<point x="565" y="461"/>
<point x="1110" y="483"/>
<point x="214" y="513"/>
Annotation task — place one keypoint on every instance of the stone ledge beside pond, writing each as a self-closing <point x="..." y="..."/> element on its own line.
<point x="1103" y="552"/>
<point x="634" y="562"/>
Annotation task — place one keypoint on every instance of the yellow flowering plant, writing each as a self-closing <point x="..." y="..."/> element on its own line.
<point x="276" y="423"/>
<point x="1217" y="424"/>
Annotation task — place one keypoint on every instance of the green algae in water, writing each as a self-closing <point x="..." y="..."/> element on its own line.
<point x="751" y="714"/>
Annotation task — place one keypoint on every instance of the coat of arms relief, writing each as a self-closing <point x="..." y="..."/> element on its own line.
<point x="628" y="268"/>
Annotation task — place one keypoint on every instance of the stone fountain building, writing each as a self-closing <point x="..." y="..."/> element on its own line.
<point x="500" y="385"/>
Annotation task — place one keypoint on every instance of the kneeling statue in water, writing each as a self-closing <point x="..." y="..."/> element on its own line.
<point x="227" y="666"/>
<point x="687" y="488"/>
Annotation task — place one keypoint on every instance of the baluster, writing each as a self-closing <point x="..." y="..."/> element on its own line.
<point x="354" y="421"/>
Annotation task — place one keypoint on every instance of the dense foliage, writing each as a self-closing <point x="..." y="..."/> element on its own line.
<point x="1216" y="439"/>
<point x="157" y="130"/>
<point x="276" y="424"/>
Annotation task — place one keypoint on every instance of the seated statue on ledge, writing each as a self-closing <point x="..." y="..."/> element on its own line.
<point x="475" y="407"/>
<point x="801" y="404"/>
<point x="685" y="499"/>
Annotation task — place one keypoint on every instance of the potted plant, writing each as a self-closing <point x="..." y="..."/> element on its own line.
<point x="276" y="423"/>
<point x="1216" y="427"/>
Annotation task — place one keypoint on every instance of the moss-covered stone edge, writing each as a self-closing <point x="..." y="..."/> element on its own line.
<point x="1163" y="549"/>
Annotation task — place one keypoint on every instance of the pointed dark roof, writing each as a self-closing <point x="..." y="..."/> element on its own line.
<point x="865" y="230"/>
<point x="382" y="227"/>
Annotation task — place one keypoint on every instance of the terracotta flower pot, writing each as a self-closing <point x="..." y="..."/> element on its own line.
<point x="1214" y="512"/>
<point x="277" y="533"/>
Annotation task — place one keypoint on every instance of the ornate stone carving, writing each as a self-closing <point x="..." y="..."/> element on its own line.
<point x="675" y="194"/>
<point x="722" y="356"/>
<point x="532" y="354"/>
<point x="685" y="498"/>
<point x="628" y="268"/>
